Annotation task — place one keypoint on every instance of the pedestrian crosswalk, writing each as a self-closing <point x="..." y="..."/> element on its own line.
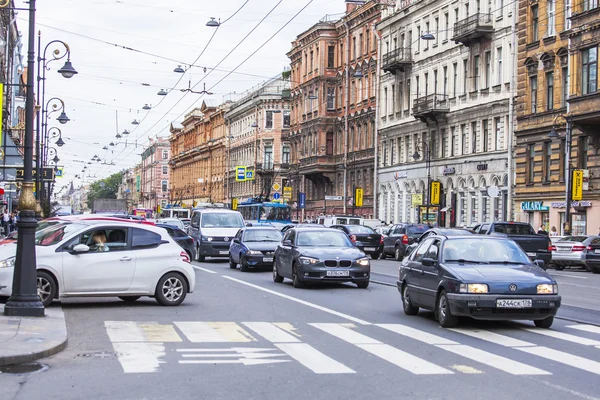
<point x="147" y="347"/>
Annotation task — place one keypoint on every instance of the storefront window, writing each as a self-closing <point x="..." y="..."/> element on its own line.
<point x="484" y="207"/>
<point x="463" y="209"/>
<point x="546" y="221"/>
<point x="474" y="209"/>
<point x="579" y="222"/>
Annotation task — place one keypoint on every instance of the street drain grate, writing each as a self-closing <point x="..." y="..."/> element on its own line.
<point x="98" y="354"/>
<point x="23" y="369"/>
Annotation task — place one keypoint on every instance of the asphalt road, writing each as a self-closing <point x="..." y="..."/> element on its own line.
<point x="242" y="336"/>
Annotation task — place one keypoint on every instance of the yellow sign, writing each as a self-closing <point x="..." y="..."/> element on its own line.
<point x="577" y="188"/>
<point x="276" y="187"/>
<point x="434" y="197"/>
<point x="158" y="208"/>
<point x="417" y="200"/>
<point x="287" y="192"/>
<point x="358" y="196"/>
<point x="234" y="203"/>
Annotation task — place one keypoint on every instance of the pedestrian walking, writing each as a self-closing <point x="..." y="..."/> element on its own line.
<point x="553" y="231"/>
<point x="5" y="221"/>
<point x="542" y="231"/>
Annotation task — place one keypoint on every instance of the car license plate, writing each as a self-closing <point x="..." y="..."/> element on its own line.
<point x="516" y="303"/>
<point x="564" y="249"/>
<point x="597" y="251"/>
<point x="224" y="252"/>
<point x="338" y="273"/>
<point x="369" y="248"/>
<point x="267" y="259"/>
<point x="531" y="254"/>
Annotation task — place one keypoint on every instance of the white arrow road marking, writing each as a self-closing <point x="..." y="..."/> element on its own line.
<point x="240" y="361"/>
<point x="238" y="349"/>
<point x="246" y="356"/>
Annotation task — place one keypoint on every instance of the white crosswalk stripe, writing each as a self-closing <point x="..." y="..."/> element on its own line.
<point x="564" y="336"/>
<point x="586" y="328"/>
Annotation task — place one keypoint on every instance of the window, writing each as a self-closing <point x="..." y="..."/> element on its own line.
<point x="286" y="119"/>
<point x="547" y="161"/>
<point x="360" y="44"/>
<point x="330" y="98"/>
<point x="368" y="49"/>
<point x="567" y="14"/>
<point x="269" y="121"/>
<point x="330" y="56"/>
<point x="452" y="140"/>
<point x="446" y="26"/>
<point x="549" y="90"/>
<point x="445" y="88"/>
<point x="419" y="38"/>
<point x="497" y="141"/>
<point x="165" y="169"/>
<point x="426" y="31"/>
<point x="268" y="157"/>
<point x="565" y="86"/>
<point x="530" y="167"/>
<point x="583" y="146"/>
<point x="444" y="143"/>
<point x="463" y="139"/>
<point x="551" y="18"/>
<point x="165" y="186"/>
<point x="353" y="48"/>
<point x="561" y="160"/>
<point x="436" y="25"/>
<point x="393" y="107"/>
<point x="454" y="78"/>
<point x="385" y="101"/>
<point x="426" y="79"/>
<point x="488" y="68"/>
<point x="476" y="73"/>
<point x="465" y="75"/>
<point x="589" y="66"/>
<point x="312" y="60"/>
<point x="499" y="65"/>
<point x="285" y="154"/>
<point x="486" y="133"/>
<point x="535" y="23"/>
<point x="329" y="144"/>
<point x="165" y="155"/>
<point x="473" y="137"/>
<point x="533" y="93"/>
<point x="589" y="4"/>
<point x="143" y="239"/>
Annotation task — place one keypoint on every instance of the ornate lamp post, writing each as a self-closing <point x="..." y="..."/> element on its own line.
<point x="425" y="147"/>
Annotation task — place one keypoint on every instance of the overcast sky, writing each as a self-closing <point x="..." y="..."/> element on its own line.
<point x="162" y="33"/>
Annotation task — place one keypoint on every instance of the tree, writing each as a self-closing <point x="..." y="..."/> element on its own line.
<point x="106" y="188"/>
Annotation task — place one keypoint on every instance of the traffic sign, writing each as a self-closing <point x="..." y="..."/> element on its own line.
<point x="276" y="187"/>
<point x="249" y="175"/>
<point x="333" y="197"/>
<point x="287" y="192"/>
<point x="302" y="200"/>
<point x="240" y="174"/>
<point x="276" y="196"/>
<point x="234" y="204"/>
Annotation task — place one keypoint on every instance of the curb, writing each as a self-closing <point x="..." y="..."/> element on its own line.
<point x="25" y="358"/>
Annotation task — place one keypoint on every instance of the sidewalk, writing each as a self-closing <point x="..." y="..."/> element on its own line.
<point x="25" y="339"/>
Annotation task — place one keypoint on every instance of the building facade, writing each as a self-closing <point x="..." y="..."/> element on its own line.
<point x="445" y="111"/>
<point x="199" y="156"/>
<point x="258" y="126"/>
<point x="154" y="182"/>
<point x="333" y="71"/>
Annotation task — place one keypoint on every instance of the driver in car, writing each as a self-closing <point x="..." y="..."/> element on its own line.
<point x="99" y="239"/>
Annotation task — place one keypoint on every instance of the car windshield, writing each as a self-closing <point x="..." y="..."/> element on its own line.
<point x="323" y="238"/>
<point x="514" y="229"/>
<point x="483" y="251"/>
<point x="56" y="233"/>
<point x="222" y="220"/>
<point x="262" y="235"/>
<point x="573" y="239"/>
<point x="455" y="232"/>
<point x="417" y="229"/>
<point x="361" y="229"/>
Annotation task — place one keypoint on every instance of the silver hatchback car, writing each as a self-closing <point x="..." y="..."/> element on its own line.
<point x="571" y="251"/>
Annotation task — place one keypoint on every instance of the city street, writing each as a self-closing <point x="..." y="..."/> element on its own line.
<point x="240" y="335"/>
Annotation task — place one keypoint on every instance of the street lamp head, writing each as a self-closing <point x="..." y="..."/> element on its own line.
<point x="60" y="142"/>
<point x="358" y="74"/>
<point x="118" y="136"/>
<point x="427" y="36"/>
<point x="62" y="118"/>
<point x="162" y="92"/>
<point x="125" y="132"/>
<point x="213" y="23"/>
<point x="135" y="122"/>
<point x="312" y="97"/>
<point x="553" y="134"/>
<point x="146" y="107"/>
<point x="56" y="159"/>
<point x="111" y="144"/>
<point x="416" y="156"/>
<point x="67" y="70"/>
<point x="254" y="125"/>
<point x="179" y="70"/>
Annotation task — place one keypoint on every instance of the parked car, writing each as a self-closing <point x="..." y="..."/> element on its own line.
<point x="182" y="239"/>
<point x="398" y="238"/>
<point x="213" y="229"/>
<point x="92" y="258"/>
<point x="437" y="232"/>
<point x="363" y="237"/>
<point x="571" y="251"/>
<point x="592" y="256"/>
<point x="171" y="221"/>
<point x="300" y="226"/>
<point x="536" y="246"/>
<point x="320" y="255"/>
<point x="482" y="277"/>
<point x="254" y="247"/>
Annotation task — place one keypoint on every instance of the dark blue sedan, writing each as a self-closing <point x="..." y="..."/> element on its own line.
<point x="183" y="239"/>
<point x="254" y="247"/>
<point x="479" y="277"/>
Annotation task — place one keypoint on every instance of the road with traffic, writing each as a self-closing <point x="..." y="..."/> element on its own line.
<point x="240" y="335"/>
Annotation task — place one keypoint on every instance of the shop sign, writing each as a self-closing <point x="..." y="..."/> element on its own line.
<point x="577" y="189"/>
<point x="417" y="200"/>
<point x="400" y="175"/>
<point x="493" y="191"/>
<point x="435" y="190"/>
<point x="561" y="204"/>
<point x="533" y="206"/>
<point x="482" y="167"/>
<point x="449" y="171"/>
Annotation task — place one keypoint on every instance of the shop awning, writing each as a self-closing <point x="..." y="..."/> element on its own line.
<point x="446" y="209"/>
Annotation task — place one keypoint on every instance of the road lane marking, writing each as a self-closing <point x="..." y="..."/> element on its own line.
<point x="132" y="331"/>
<point x="139" y="357"/>
<point x="160" y="333"/>
<point x="567" y="390"/>
<point x="213" y="332"/>
<point x="465" y="369"/>
<point x="472" y="353"/>
<point x="313" y="359"/>
<point x="299" y="301"/>
<point x="271" y="332"/>
<point x="564" y="336"/>
<point x="401" y="359"/>
<point x="204" y="269"/>
<point x="493" y="337"/>
<point x="569" y="276"/>
<point x="586" y="328"/>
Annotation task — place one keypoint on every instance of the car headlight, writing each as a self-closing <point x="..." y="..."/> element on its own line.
<point x="547" y="288"/>
<point x="474" y="288"/>
<point x="254" y="252"/>
<point x="308" y="260"/>
<point x="363" y="261"/>
<point x="206" y="238"/>
<point x="8" y="263"/>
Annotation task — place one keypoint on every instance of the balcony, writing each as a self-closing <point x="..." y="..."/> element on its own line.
<point x="431" y="107"/>
<point x="397" y="60"/>
<point x="473" y="28"/>
<point x="265" y="168"/>
<point x="317" y="165"/>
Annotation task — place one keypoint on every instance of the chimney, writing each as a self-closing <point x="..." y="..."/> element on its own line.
<point x="352" y="5"/>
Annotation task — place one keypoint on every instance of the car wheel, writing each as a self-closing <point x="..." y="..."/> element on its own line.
<point x="375" y="256"/>
<point x="200" y="257"/>
<point x="276" y="277"/>
<point x="409" y="308"/>
<point x="544" y="323"/>
<point x="46" y="287"/>
<point x="383" y="256"/>
<point x="595" y="270"/>
<point x="398" y="253"/>
<point x="243" y="264"/>
<point x="171" y="289"/>
<point x="363" y="284"/>
<point x="129" y="299"/>
<point x="298" y="284"/>
<point x="445" y="317"/>
<point x="232" y="264"/>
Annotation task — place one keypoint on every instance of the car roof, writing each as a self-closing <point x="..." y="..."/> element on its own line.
<point x="260" y="228"/>
<point x="118" y="222"/>
<point x="215" y="210"/>
<point x="317" y="228"/>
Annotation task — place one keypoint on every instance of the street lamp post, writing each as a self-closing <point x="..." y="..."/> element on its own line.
<point x="568" y="138"/>
<point x="24" y="299"/>
<point x="416" y="156"/>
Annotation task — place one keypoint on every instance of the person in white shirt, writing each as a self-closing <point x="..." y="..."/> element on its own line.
<point x="6" y="221"/>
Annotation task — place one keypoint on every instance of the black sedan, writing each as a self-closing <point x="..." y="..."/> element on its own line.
<point x="320" y="255"/>
<point x="254" y="246"/>
<point x="437" y="232"/>
<point x="365" y="238"/>
<point x="290" y="226"/>
<point x="182" y="239"/>
<point x="479" y="277"/>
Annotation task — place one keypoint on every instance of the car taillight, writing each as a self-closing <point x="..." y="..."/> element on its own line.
<point x="380" y="239"/>
<point x="404" y="239"/>
<point x="551" y="247"/>
<point x="577" y="248"/>
<point x="590" y="248"/>
<point x="185" y="256"/>
<point x="353" y="238"/>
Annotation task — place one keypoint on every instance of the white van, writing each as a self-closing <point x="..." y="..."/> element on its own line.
<point x="213" y="229"/>
<point x="339" y="220"/>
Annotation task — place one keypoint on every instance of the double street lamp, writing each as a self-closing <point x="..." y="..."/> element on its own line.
<point x="425" y="148"/>
<point x="568" y="138"/>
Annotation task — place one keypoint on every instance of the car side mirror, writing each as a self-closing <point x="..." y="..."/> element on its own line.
<point x="80" y="248"/>
<point x="540" y="263"/>
<point x="287" y="242"/>
<point x="428" y="262"/>
<point x="236" y="240"/>
<point x="248" y="223"/>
